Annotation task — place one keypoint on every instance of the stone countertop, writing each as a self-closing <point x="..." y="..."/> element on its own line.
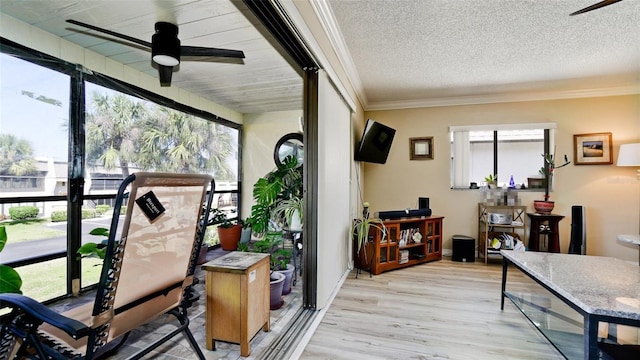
<point x="597" y="285"/>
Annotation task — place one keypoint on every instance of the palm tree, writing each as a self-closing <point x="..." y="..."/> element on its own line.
<point x="179" y="142"/>
<point x="113" y="130"/>
<point x="16" y="156"/>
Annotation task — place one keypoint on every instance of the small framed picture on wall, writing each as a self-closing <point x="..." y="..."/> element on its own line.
<point x="592" y="149"/>
<point x="421" y="148"/>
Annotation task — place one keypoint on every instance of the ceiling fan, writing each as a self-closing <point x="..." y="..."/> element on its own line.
<point x="595" y="6"/>
<point x="166" y="49"/>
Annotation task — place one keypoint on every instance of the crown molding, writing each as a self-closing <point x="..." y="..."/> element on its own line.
<point x="504" y="98"/>
<point x="332" y="30"/>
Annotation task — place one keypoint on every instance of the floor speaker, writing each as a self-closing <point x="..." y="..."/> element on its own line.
<point x="578" y="243"/>
<point x="464" y="248"/>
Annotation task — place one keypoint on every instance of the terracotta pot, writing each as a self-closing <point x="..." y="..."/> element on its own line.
<point x="543" y="207"/>
<point x="229" y="237"/>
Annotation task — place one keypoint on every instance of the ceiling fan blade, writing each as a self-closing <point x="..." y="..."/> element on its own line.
<point x="595" y="6"/>
<point x="112" y="33"/>
<point x="212" y="52"/>
<point x="164" y="73"/>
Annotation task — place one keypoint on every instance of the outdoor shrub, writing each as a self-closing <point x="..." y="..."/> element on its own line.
<point x="59" y="215"/>
<point x="23" y="212"/>
<point x="89" y="213"/>
<point x="101" y="209"/>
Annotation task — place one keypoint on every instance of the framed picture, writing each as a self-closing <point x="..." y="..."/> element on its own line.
<point x="421" y="148"/>
<point x="592" y="149"/>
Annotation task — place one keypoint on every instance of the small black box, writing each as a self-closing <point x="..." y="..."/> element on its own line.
<point x="464" y="248"/>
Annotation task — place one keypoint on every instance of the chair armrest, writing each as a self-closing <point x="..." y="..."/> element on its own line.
<point x="74" y="328"/>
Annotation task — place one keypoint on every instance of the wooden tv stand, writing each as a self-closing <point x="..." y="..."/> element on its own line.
<point x="397" y="250"/>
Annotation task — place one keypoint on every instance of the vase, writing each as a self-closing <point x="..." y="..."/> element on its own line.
<point x="543" y="206"/>
<point x="276" y="284"/>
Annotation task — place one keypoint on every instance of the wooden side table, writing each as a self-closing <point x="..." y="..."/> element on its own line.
<point x="550" y="230"/>
<point x="237" y="286"/>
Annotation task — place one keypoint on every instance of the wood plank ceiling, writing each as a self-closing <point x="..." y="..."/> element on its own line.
<point x="265" y="82"/>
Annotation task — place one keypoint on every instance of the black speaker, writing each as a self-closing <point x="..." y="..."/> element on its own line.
<point x="464" y="248"/>
<point x="398" y="214"/>
<point x="578" y="243"/>
<point x="423" y="203"/>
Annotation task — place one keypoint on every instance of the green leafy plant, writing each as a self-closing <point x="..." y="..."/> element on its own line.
<point x="270" y="244"/>
<point x="491" y="178"/>
<point x="282" y="184"/>
<point x="360" y="231"/>
<point x="10" y="280"/>
<point x="286" y="210"/>
<point x="220" y="218"/>
<point x="96" y="250"/>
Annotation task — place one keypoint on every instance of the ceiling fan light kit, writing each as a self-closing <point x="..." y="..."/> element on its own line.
<point x="166" y="49"/>
<point x="165" y="45"/>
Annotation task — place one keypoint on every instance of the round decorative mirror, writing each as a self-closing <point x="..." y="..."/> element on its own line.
<point x="289" y="145"/>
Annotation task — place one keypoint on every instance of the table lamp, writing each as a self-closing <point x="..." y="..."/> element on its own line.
<point x="629" y="156"/>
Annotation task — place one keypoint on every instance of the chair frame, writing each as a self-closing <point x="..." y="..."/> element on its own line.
<point x="19" y="332"/>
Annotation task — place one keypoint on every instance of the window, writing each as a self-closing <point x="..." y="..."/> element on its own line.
<point x="123" y="129"/>
<point x="506" y="150"/>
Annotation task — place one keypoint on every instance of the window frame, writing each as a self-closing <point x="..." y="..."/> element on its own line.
<point x="75" y="197"/>
<point x="458" y="131"/>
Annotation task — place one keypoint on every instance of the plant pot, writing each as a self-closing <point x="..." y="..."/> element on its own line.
<point x="288" y="275"/>
<point x="543" y="207"/>
<point x="229" y="237"/>
<point x="245" y="237"/>
<point x="202" y="256"/>
<point x="295" y="224"/>
<point x="276" y="284"/>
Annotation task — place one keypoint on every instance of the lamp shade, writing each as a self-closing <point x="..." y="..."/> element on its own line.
<point x="629" y="155"/>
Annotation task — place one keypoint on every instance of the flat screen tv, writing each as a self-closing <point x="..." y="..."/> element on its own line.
<point x="375" y="143"/>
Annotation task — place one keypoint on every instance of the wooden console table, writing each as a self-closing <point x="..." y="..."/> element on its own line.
<point x="599" y="289"/>
<point x="237" y="287"/>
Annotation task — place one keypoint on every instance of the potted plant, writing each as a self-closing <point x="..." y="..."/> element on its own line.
<point x="546" y="206"/>
<point x="245" y="236"/>
<point x="289" y="213"/>
<point x="281" y="273"/>
<point x="229" y="230"/>
<point x="492" y="181"/>
<point x="360" y="235"/>
<point x="282" y="185"/>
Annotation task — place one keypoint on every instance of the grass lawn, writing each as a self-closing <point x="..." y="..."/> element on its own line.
<point x="46" y="280"/>
<point x="32" y="229"/>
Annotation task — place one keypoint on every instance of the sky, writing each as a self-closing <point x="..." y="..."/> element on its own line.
<point x="41" y="123"/>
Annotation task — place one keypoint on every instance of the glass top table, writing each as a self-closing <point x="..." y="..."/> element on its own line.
<point x="595" y="289"/>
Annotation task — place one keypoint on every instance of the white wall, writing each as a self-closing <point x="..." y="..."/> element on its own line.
<point x="261" y="133"/>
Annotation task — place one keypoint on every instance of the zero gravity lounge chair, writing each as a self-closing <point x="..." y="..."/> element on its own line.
<point x="147" y="272"/>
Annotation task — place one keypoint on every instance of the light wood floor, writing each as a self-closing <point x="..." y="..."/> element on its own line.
<point x="438" y="310"/>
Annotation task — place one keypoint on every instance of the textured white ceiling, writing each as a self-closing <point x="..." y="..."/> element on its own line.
<point x="439" y="51"/>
